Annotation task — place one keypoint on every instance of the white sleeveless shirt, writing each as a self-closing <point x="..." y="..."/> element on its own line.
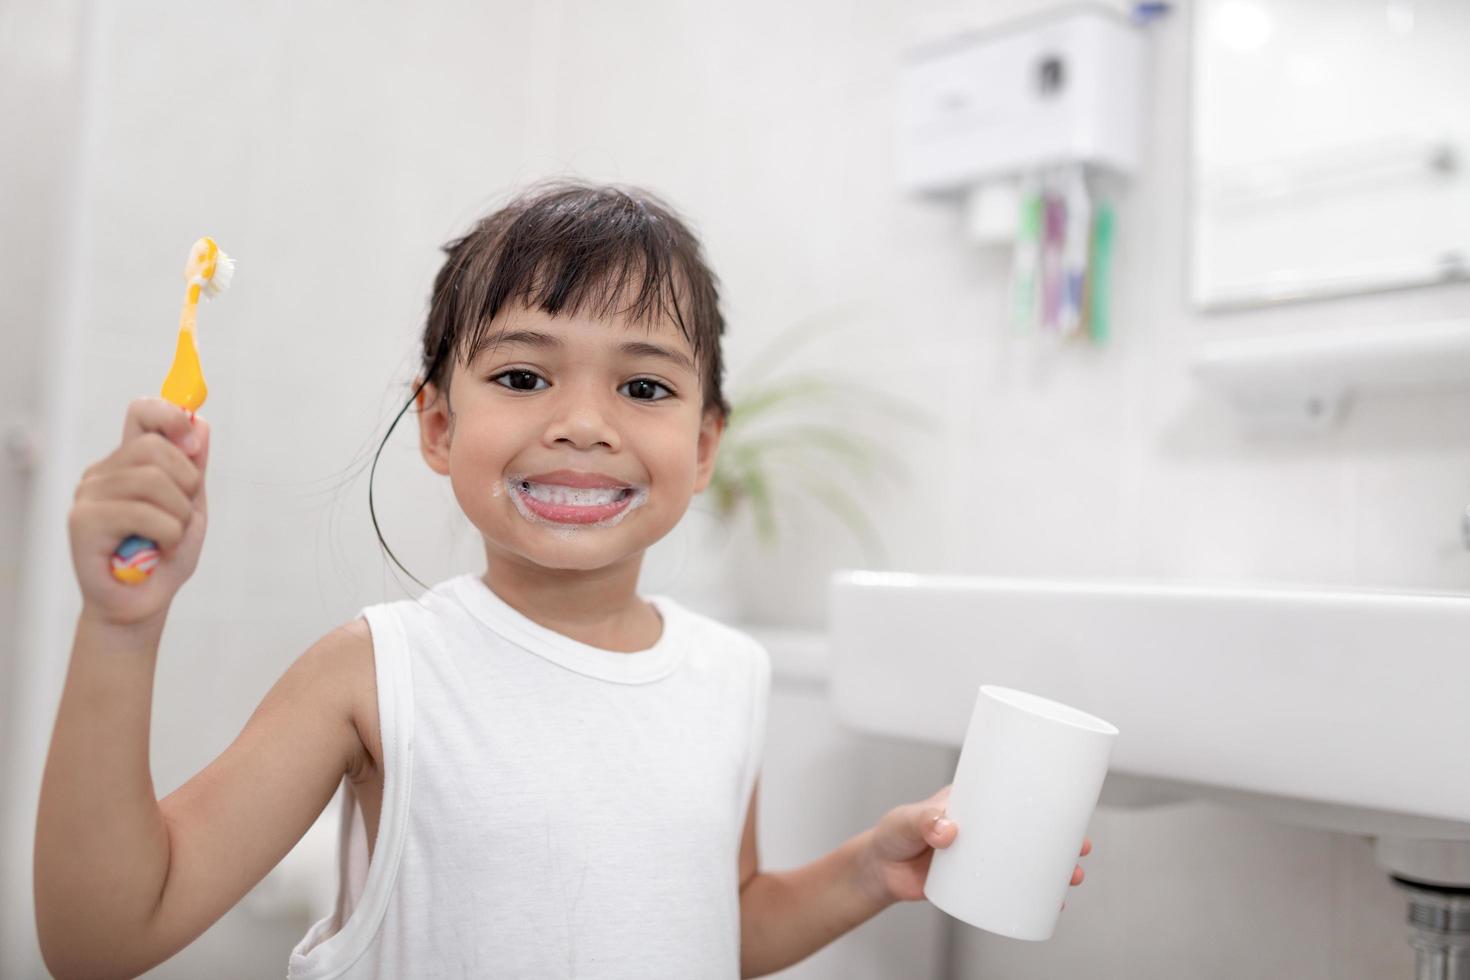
<point x="550" y="809"/>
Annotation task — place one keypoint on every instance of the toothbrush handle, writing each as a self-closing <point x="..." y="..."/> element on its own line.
<point x="134" y="559"/>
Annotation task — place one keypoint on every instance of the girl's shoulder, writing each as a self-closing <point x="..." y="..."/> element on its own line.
<point x="730" y="645"/>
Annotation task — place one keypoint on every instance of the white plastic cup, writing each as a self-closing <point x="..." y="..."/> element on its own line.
<point x="1028" y="780"/>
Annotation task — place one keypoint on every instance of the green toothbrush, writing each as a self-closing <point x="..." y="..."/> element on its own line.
<point x="1024" y="263"/>
<point x="1099" y="273"/>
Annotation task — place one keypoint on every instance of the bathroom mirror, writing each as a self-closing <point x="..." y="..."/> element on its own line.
<point x="1330" y="148"/>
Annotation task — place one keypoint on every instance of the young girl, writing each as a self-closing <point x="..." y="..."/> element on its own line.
<point x="547" y="775"/>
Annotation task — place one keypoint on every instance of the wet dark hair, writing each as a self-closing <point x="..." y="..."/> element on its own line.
<point x="566" y="246"/>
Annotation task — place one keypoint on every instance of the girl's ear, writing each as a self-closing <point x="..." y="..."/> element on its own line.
<point x="710" y="429"/>
<point x="436" y="427"/>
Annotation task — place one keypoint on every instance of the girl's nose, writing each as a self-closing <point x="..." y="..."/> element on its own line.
<point x="584" y="424"/>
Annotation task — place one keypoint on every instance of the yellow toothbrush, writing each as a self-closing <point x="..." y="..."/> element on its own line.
<point x="208" y="271"/>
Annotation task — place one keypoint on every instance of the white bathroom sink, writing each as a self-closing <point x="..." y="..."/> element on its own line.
<point x="1345" y="710"/>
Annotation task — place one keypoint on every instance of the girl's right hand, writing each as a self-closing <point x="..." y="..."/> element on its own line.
<point x="152" y="485"/>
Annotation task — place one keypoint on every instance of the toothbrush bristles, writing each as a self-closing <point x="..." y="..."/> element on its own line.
<point x="224" y="271"/>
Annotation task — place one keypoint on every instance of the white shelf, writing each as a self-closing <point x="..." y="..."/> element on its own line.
<point x="1302" y="381"/>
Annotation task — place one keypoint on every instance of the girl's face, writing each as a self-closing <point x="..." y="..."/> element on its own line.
<point x="562" y="397"/>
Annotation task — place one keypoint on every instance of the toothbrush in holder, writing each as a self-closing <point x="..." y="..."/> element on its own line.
<point x="208" y="271"/>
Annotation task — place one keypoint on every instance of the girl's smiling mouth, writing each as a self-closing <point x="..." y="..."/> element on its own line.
<point x="558" y="504"/>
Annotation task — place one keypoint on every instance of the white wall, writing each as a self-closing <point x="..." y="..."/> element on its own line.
<point x="40" y="82"/>
<point x="38" y="91"/>
<point x="338" y="151"/>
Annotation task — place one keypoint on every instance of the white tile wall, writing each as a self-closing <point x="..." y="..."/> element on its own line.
<point x="39" y="86"/>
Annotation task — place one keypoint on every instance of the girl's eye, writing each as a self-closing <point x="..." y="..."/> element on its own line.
<point x="646" y="388"/>
<point x="519" y="374"/>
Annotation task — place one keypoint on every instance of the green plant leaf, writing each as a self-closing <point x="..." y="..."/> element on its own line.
<point x="724" y="487"/>
<point x="827" y="389"/>
<point x="837" y="500"/>
<point x="797" y="387"/>
<point x="760" y="499"/>
<point x="861" y="455"/>
<point x="760" y="439"/>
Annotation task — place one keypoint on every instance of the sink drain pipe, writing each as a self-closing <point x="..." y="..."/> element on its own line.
<point x="1439" y="920"/>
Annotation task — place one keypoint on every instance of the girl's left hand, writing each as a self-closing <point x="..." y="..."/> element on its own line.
<point x="901" y="847"/>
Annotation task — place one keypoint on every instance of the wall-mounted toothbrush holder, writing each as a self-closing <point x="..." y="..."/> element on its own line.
<point x="1024" y="125"/>
<point x="1304" y="382"/>
<point x="1051" y="91"/>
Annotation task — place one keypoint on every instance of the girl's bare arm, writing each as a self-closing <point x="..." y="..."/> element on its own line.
<point x="123" y="880"/>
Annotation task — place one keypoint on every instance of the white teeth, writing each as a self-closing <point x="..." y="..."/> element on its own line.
<point x="572" y="496"/>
